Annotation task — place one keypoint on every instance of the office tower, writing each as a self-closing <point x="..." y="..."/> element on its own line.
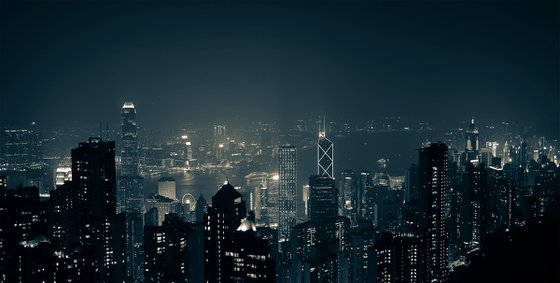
<point x="22" y="147"/>
<point x="258" y="186"/>
<point x="322" y="198"/>
<point x="130" y="195"/>
<point x="348" y="196"/>
<point x="506" y="154"/>
<point x="370" y="205"/>
<point x="167" y="187"/>
<point x="220" y="221"/>
<point x="287" y="182"/>
<point x="365" y="183"/>
<point x="471" y="142"/>
<point x="325" y="165"/>
<point x="188" y="151"/>
<point x="129" y="136"/>
<point x="94" y="180"/>
<point x="22" y="161"/>
<point x="432" y="171"/>
<point x="130" y="191"/>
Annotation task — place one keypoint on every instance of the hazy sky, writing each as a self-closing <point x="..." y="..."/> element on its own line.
<point x="79" y="61"/>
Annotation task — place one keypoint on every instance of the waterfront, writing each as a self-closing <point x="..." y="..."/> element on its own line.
<point x="357" y="152"/>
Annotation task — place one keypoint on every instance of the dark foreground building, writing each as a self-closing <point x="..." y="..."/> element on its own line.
<point x="234" y="251"/>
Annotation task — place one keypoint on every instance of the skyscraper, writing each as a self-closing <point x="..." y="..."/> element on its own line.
<point x="130" y="193"/>
<point x="348" y="196"/>
<point x="322" y="198"/>
<point x="167" y="250"/>
<point x="129" y="150"/>
<point x="365" y="183"/>
<point x="220" y="221"/>
<point x="321" y="251"/>
<point x="22" y="147"/>
<point x="287" y="173"/>
<point x="474" y="203"/>
<point x="325" y="165"/>
<point x="432" y="171"/>
<point x="94" y="179"/>
<point x="472" y="145"/>
<point x="249" y="255"/>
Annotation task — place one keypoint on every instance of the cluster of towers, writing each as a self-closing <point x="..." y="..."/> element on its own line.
<point x="97" y="227"/>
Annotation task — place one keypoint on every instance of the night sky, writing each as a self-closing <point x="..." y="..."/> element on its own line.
<point x="77" y="62"/>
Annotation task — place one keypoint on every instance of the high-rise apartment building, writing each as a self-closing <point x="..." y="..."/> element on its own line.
<point x="432" y="173"/>
<point x="94" y="181"/>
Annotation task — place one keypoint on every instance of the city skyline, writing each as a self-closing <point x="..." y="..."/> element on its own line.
<point x="328" y="241"/>
<point x="280" y="141"/>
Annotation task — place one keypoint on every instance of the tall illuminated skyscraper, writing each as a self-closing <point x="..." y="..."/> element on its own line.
<point x="325" y="166"/>
<point x="323" y="197"/>
<point x="432" y="171"/>
<point x="287" y="173"/>
<point x="130" y="195"/>
<point x="129" y="135"/>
